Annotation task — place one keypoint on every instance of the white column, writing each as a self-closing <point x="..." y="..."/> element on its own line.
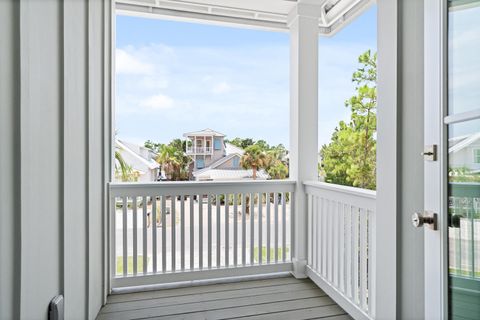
<point x="303" y="24"/>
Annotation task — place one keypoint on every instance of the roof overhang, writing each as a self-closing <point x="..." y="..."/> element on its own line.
<point x="264" y="14"/>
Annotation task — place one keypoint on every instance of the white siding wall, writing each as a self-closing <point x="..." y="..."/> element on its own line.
<point x="9" y="160"/>
<point x="464" y="158"/>
<point x="52" y="160"/>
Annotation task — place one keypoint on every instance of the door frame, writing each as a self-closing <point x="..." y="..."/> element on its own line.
<point x="435" y="186"/>
<point x="385" y="245"/>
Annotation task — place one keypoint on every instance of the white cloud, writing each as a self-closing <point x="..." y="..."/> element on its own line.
<point x="157" y="102"/>
<point x="156" y="82"/>
<point x="126" y="63"/>
<point x="221" y="87"/>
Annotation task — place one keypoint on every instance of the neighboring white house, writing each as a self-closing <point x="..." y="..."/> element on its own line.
<point x="213" y="159"/>
<point x="464" y="152"/>
<point x="141" y="159"/>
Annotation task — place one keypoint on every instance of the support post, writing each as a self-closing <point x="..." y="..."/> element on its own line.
<point x="303" y="22"/>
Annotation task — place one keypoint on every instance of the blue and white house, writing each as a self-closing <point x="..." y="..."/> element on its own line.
<point x="214" y="159"/>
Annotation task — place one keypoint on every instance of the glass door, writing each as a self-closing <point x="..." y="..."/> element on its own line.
<point x="463" y="160"/>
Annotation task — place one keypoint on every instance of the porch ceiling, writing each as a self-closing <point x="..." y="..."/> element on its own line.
<point x="271" y="14"/>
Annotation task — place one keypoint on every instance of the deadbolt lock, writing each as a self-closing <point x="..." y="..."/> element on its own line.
<point x="429" y="219"/>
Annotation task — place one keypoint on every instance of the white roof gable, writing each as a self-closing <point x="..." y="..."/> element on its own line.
<point x="205" y="132"/>
<point x="231" y="149"/>
<point x="138" y="161"/>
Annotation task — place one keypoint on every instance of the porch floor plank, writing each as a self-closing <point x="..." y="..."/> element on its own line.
<point x="282" y="298"/>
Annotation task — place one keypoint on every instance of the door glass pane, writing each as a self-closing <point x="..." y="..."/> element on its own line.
<point x="464" y="220"/>
<point x="463" y="56"/>
<point x="464" y="160"/>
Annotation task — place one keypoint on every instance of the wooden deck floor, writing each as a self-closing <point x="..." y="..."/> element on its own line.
<point x="280" y="298"/>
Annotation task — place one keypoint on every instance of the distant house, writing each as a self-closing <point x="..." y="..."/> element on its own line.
<point x="141" y="159"/>
<point x="213" y="159"/>
<point x="464" y="151"/>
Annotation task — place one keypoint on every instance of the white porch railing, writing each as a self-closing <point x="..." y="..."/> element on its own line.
<point x="341" y="260"/>
<point x="180" y="231"/>
<point x="199" y="150"/>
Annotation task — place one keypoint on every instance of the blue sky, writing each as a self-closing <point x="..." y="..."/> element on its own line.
<point x="175" y="77"/>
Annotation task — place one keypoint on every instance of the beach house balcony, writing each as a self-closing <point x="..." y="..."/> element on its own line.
<point x="191" y="150"/>
<point x="74" y="244"/>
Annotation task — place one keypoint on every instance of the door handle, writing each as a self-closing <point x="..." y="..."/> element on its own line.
<point x="430" y="219"/>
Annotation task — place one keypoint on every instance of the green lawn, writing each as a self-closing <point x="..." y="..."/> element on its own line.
<point x="272" y="253"/>
<point x="130" y="264"/>
<point x="463" y="273"/>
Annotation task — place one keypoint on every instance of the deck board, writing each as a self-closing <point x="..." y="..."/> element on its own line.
<point x="282" y="298"/>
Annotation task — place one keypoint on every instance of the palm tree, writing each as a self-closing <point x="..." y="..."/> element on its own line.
<point x="278" y="170"/>
<point x="167" y="159"/>
<point x="254" y="158"/>
<point x="122" y="169"/>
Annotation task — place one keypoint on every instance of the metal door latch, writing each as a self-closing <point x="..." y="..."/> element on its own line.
<point x="430" y="152"/>
<point x="429" y="219"/>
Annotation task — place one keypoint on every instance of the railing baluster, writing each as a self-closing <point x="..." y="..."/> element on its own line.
<point x="173" y="225"/>
<point x="318" y="234"/>
<point x="227" y="225"/>
<point x="209" y="231"/>
<point x="310" y="230"/>
<point x="144" y="233"/>
<point x="260" y="238"/>
<point x="244" y="227"/>
<point x="200" y="231"/>
<point x="292" y="226"/>
<point x="154" y="232"/>
<point x="371" y="264"/>
<point x="336" y="242"/>
<point x="113" y="237"/>
<point x="235" y="229"/>
<point x="182" y="232"/>
<point x="252" y="227"/>
<point x="348" y="251"/>
<point x="363" y="259"/>
<point x="163" y="215"/>
<point x="192" y="234"/>
<point x="341" y="252"/>
<point x="355" y="255"/>
<point x="313" y="201"/>
<point x="268" y="222"/>
<point x="284" y="226"/>
<point x="124" y="236"/>
<point x="134" y="234"/>
<point x="330" y="216"/>
<point x="275" y="205"/>
<point x="324" y="212"/>
<point x="218" y="237"/>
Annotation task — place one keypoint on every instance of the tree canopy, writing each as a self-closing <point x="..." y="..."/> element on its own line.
<point x="254" y="158"/>
<point x="350" y="157"/>
<point x="172" y="158"/>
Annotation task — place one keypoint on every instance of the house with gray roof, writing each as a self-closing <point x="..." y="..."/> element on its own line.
<point x="214" y="159"/>
<point x="140" y="159"/>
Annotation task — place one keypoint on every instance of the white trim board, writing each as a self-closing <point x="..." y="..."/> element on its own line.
<point x="206" y="274"/>
<point x="331" y="20"/>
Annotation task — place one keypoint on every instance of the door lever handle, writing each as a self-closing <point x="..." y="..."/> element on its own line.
<point x="429" y="219"/>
